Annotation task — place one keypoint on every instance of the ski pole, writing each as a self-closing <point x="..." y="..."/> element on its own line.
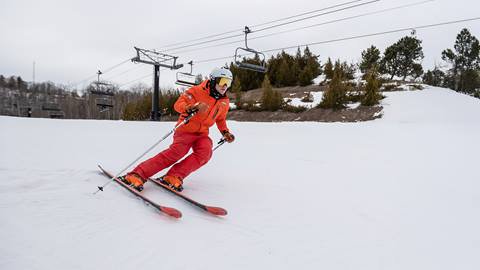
<point x="184" y="122"/>
<point x="222" y="141"/>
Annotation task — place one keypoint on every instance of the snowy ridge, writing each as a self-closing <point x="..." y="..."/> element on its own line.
<point x="399" y="192"/>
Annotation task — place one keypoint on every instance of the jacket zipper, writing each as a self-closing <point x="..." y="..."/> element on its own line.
<point x="208" y="115"/>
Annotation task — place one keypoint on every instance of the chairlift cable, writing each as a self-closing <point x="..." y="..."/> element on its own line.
<point x="314" y="16"/>
<point x="162" y="48"/>
<point x="350" y="38"/>
<point x="126" y="71"/>
<point x="142" y="77"/>
<point x="377" y="34"/>
<point x="237" y="35"/>
<point x="306" y="13"/>
<point x="309" y="26"/>
<point x="103" y="72"/>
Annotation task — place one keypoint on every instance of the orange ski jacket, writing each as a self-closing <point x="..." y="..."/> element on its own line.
<point x="201" y="122"/>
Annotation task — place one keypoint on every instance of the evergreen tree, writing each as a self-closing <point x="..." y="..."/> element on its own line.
<point x="370" y="59"/>
<point x="465" y="61"/>
<point x="305" y="77"/>
<point x="21" y="84"/>
<point x="328" y="69"/>
<point x="288" y="71"/>
<point x="390" y="62"/>
<point x="417" y="71"/>
<point x="271" y="99"/>
<point x="3" y="82"/>
<point x="400" y="59"/>
<point x="372" y="95"/>
<point x="301" y="63"/>
<point x="237" y="90"/>
<point x="272" y="71"/>
<point x="12" y="82"/>
<point x="309" y="68"/>
<point x="335" y="97"/>
<point x="167" y="100"/>
<point x="347" y="71"/>
<point x="434" y="77"/>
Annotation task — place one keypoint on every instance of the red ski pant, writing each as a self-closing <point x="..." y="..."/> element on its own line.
<point x="182" y="142"/>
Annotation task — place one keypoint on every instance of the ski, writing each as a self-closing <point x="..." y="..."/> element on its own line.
<point x="210" y="209"/>
<point x="167" y="210"/>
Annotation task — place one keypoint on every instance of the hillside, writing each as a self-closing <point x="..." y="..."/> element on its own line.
<point x="398" y="192"/>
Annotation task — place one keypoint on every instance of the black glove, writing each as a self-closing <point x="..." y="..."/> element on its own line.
<point x="197" y="107"/>
<point x="228" y="136"/>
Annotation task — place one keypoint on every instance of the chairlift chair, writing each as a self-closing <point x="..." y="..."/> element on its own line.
<point x="59" y="114"/>
<point x="104" y="104"/>
<point x="239" y="61"/>
<point x="102" y="93"/>
<point x="103" y="89"/>
<point x="51" y="107"/>
<point x="185" y="78"/>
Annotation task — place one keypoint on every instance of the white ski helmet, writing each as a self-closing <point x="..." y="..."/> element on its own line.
<point x="221" y="73"/>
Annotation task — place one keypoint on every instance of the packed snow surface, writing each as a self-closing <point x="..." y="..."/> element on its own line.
<point x="400" y="192"/>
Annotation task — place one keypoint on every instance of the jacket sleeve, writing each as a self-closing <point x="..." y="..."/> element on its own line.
<point x="222" y="122"/>
<point x="185" y="99"/>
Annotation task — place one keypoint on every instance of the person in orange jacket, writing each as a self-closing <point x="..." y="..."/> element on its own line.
<point x="210" y="103"/>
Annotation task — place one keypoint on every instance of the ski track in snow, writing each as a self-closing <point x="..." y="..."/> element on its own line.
<point x="399" y="192"/>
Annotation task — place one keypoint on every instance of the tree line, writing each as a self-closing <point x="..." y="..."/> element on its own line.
<point x="400" y="60"/>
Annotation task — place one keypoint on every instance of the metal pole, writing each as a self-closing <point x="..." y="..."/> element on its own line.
<point x="222" y="141"/>
<point x="156" y="80"/>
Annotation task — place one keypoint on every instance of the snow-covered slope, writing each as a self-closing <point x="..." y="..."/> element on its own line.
<point x="400" y="192"/>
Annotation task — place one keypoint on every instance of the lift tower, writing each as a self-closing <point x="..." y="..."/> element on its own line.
<point x="158" y="60"/>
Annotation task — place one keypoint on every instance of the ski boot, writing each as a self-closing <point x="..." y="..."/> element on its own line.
<point x="134" y="180"/>
<point x="172" y="182"/>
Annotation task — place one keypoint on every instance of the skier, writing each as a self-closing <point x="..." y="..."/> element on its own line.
<point x="209" y="102"/>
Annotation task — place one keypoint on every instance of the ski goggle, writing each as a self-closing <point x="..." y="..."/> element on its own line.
<point x="224" y="81"/>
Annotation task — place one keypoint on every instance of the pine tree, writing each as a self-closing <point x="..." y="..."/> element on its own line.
<point x="21" y="84"/>
<point x="328" y="69"/>
<point x="417" y="71"/>
<point x="347" y="71"/>
<point x="400" y="59"/>
<point x="3" y="82"/>
<point x="372" y="95"/>
<point x="237" y="90"/>
<point x="12" y="83"/>
<point x="465" y="61"/>
<point x="370" y="59"/>
<point x="273" y="67"/>
<point x="271" y="99"/>
<point x="434" y="77"/>
<point x="288" y="70"/>
<point x="390" y="61"/>
<point x="309" y="68"/>
<point x="305" y="77"/>
<point x="335" y="97"/>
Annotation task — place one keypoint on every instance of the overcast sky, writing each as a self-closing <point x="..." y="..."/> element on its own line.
<point x="70" y="40"/>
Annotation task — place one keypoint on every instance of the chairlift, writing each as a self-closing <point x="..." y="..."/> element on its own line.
<point x="51" y="107"/>
<point x="59" y="114"/>
<point x="102" y="89"/>
<point x="187" y="79"/>
<point x="104" y="104"/>
<point x="241" y="62"/>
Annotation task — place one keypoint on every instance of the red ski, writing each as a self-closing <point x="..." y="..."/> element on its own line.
<point x="210" y="209"/>
<point x="167" y="210"/>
